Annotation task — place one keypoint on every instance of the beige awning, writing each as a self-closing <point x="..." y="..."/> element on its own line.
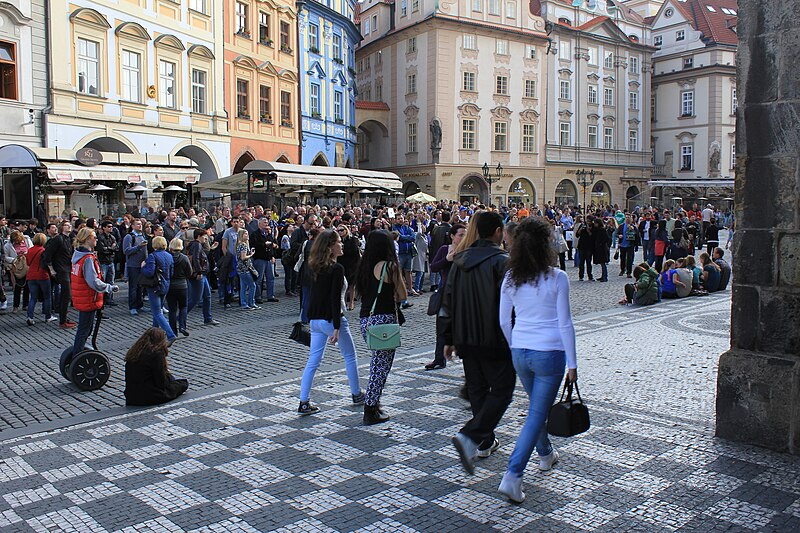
<point x="67" y="173"/>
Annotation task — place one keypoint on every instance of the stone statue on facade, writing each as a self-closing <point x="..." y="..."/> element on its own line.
<point x="436" y="134"/>
<point x="714" y="160"/>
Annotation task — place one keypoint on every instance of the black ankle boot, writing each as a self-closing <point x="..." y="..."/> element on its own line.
<point x="374" y="415"/>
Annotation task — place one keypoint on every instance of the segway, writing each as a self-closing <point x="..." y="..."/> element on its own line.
<point x="90" y="369"/>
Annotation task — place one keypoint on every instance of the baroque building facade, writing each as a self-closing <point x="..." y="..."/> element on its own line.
<point x="327" y="37"/>
<point x="542" y="88"/>
<point x="694" y="97"/>
<point x="142" y="81"/>
<point x="598" y="73"/>
<point x="260" y="75"/>
<point x="448" y="87"/>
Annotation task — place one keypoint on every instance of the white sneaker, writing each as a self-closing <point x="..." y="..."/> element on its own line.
<point x="546" y="462"/>
<point x="483" y="454"/>
<point x="511" y="487"/>
<point x="4" y="305"/>
<point x="52" y="319"/>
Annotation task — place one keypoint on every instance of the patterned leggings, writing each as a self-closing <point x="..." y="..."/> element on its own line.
<point x="381" y="361"/>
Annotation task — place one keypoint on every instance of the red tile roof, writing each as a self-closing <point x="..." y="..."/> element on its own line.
<point x="716" y="26"/>
<point x="376" y="106"/>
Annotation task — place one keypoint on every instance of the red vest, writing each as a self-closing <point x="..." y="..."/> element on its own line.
<point x="84" y="297"/>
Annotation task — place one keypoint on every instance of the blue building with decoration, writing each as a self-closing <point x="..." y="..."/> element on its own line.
<point x="327" y="37"/>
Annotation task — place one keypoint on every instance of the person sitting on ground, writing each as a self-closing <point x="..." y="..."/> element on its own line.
<point x="690" y="263"/>
<point x="711" y="273"/>
<point x="645" y="290"/>
<point x="147" y="377"/>
<point x="669" y="280"/>
<point x="724" y="267"/>
<point x="684" y="288"/>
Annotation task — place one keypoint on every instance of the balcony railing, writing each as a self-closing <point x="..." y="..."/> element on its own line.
<point x="658" y="170"/>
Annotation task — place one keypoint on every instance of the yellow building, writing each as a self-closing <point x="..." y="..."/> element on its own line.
<point x="261" y="81"/>
<point x="140" y="82"/>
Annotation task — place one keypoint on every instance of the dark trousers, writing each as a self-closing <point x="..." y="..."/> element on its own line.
<point x="21" y="289"/>
<point x="177" y="302"/>
<point x="490" y="383"/>
<point x="438" y="354"/>
<point x="569" y="250"/>
<point x="64" y="295"/>
<point x="585" y="261"/>
<point x="562" y="264"/>
<point x="626" y="260"/>
<point x="135" y="299"/>
<point x="630" y="290"/>
<point x="85" y="322"/>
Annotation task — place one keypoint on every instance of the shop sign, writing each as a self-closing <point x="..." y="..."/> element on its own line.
<point x="191" y="180"/>
<point x="89" y="157"/>
<point x="64" y="177"/>
<point x="134" y="178"/>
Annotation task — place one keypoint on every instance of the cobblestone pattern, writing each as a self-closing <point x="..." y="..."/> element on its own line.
<point x="32" y="390"/>
<point x="244" y="460"/>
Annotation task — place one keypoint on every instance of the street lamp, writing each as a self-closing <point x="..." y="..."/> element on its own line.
<point x="585" y="179"/>
<point x="488" y="177"/>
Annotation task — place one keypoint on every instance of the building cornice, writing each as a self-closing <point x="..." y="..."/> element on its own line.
<point x="434" y="18"/>
<point x="725" y="70"/>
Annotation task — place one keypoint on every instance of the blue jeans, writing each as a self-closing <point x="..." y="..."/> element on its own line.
<point x="108" y="273"/>
<point x="265" y="270"/>
<point x="134" y="290"/>
<point x="541" y="374"/>
<point x="435" y="278"/>
<point x="418" y="280"/>
<point x="40" y="292"/>
<point x="159" y="320"/>
<point x="85" y="322"/>
<point x="305" y="302"/>
<point x="199" y="289"/>
<point x="320" y="331"/>
<point x="247" y="289"/>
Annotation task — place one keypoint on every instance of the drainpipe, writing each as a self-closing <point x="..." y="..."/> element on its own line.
<point x="299" y="92"/>
<point x="48" y="74"/>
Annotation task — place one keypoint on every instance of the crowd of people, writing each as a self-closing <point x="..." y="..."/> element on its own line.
<point x="500" y="295"/>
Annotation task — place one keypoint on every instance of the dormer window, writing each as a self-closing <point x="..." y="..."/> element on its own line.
<point x="565" y="20"/>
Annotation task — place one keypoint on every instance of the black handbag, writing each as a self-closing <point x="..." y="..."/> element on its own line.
<point x="435" y="302"/>
<point x="301" y="333"/>
<point x="568" y="417"/>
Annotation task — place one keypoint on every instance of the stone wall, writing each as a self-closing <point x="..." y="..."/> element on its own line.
<point x="758" y="387"/>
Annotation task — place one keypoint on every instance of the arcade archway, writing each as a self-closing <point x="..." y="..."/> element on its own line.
<point x="473" y="189"/>
<point x="601" y="194"/>
<point x="566" y="193"/>
<point x="522" y="191"/>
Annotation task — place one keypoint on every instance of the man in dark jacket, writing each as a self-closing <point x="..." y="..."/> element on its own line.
<point x="264" y="245"/>
<point x="57" y="257"/>
<point x="106" y="249"/>
<point x="439" y="238"/>
<point x="471" y="326"/>
<point x="299" y="236"/>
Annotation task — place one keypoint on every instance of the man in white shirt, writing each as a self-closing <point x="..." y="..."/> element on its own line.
<point x="707" y="215"/>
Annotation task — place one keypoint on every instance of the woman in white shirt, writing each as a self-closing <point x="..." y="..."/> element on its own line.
<point x="542" y="341"/>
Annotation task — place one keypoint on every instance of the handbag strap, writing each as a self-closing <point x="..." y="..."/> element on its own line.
<point x="380" y="288"/>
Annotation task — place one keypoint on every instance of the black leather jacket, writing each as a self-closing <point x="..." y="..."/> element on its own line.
<point x="470" y="315"/>
<point x="106" y="247"/>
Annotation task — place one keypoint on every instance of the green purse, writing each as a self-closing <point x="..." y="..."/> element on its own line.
<point x="382" y="336"/>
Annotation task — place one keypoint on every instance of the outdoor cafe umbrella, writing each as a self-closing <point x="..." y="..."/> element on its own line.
<point x="421" y="197"/>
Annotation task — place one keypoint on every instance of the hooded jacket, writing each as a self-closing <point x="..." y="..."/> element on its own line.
<point x="471" y="301"/>
<point x="647" y="288"/>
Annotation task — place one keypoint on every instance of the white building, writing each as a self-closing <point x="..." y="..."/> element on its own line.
<point x="597" y="115"/>
<point x="694" y="98"/>
<point x="445" y="87"/>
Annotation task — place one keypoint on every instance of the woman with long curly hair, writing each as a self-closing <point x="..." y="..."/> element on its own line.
<point x="379" y="253"/>
<point x="326" y="316"/>
<point x="542" y="340"/>
<point x="147" y="377"/>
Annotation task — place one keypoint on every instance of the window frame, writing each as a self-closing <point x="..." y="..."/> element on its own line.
<point x="592" y="96"/>
<point x="501" y="47"/>
<point x="633" y="140"/>
<point x="242" y="17"/>
<point x="608" y="97"/>
<point x="313" y="37"/>
<point x="500" y="138"/>
<point x="264" y="27"/>
<point x="285" y="36"/>
<point x="468" y="81"/>
<point x="411" y="84"/>
<point x="687" y="103"/>
<point x="87" y="60"/>
<point x="286" y="108"/>
<point x="608" y="138"/>
<point x="530" y="89"/>
<point x="411" y="45"/>
<point x="680" y="35"/>
<point x="163" y="80"/>
<point x="501" y="85"/>
<point x="338" y="106"/>
<point x="200" y="92"/>
<point x="528" y="138"/>
<point x="473" y="41"/>
<point x="734" y="101"/>
<point x="591" y="137"/>
<point x="265" y="103"/>
<point x="565" y="128"/>
<point x="633" y="100"/>
<point x="658" y="40"/>
<point x="469" y="135"/>
<point x="564" y="50"/>
<point x="12" y="65"/>
<point x="687" y="151"/>
<point x="565" y="90"/>
<point x="493" y="8"/>
<point x="511" y="9"/>
<point x="315" y="99"/>
<point x="633" y="64"/>
<point x="128" y="94"/>
<point x="411" y="138"/>
<point x="608" y="60"/>
<point x="243" y="99"/>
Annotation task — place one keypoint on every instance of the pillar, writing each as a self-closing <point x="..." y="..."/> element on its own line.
<point x="758" y="385"/>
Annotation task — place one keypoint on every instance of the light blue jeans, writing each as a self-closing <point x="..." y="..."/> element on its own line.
<point x="320" y="331"/>
<point x="247" y="289"/>
<point x="541" y="374"/>
<point x="266" y="270"/>
<point x="156" y="309"/>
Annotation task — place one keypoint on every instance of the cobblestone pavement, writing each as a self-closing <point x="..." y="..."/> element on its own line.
<point x="242" y="460"/>
<point x="33" y="392"/>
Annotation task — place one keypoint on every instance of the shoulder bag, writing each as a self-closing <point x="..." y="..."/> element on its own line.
<point x="301" y="333"/>
<point x="570" y="416"/>
<point x="383" y="336"/>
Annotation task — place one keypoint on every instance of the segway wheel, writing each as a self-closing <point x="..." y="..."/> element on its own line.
<point x="89" y="370"/>
<point x="66" y="360"/>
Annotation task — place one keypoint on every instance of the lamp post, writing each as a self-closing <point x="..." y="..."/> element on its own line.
<point x="585" y="179"/>
<point x="487" y="175"/>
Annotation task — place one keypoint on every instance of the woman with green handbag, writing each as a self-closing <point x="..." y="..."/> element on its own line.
<point x="381" y="287"/>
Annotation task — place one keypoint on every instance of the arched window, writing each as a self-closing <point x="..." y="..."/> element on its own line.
<point x="566" y="193"/>
<point x="601" y="194"/>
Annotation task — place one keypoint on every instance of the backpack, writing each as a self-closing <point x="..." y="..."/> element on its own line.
<point x="19" y="267"/>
